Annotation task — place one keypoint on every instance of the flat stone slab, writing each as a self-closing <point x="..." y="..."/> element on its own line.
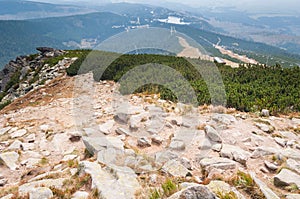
<point x="10" y="159"/>
<point x="217" y="163"/>
<point x="28" y="187"/>
<point x="175" y="169"/>
<point x="220" y="186"/>
<point x="293" y="196"/>
<point x="287" y="178"/>
<point x="268" y="193"/>
<point x="18" y="133"/>
<point x="120" y="182"/>
<point x="96" y="144"/>
<point x="4" y="130"/>
<point x="235" y="153"/>
<point x="40" y="192"/>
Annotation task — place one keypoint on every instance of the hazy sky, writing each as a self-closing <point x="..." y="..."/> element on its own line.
<point x="284" y="6"/>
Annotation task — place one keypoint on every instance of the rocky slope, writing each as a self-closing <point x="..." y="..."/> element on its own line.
<point x="75" y="138"/>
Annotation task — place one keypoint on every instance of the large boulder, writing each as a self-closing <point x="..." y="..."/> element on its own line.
<point x="96" y="144"/>
<point x="218" y="163"/>
<point x="194" y="192"/>
<point x="235" y="153"/>
<point x="287" y="178"/>
<point x="224" y="118"/>
<point x="212" y="134"/>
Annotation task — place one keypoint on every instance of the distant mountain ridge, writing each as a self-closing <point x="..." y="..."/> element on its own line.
<point x="88" y="30"/>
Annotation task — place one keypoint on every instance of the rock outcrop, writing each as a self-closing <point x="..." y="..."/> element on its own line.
<point x="79" y="137"/>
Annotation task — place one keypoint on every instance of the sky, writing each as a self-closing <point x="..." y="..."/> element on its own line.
<point x="284" y="6"/>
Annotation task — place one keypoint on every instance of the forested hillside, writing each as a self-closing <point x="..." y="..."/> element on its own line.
<point x="248" y="88"/>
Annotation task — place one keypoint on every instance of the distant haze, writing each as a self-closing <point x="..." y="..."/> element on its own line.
<point x="256" y="6"/>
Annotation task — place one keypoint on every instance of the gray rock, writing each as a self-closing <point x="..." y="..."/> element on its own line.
<point x="10" y="159"/>
<point x="154" y="109"/>
<point x="265" y="113"/>
<point x="28" y="146"/>
<point x="75" y="137"/>
<point x="28" y="187"/>
<point x="109" y="156"/>
<point x="235" y="153"/>
<point x="224" y="118"/>
<point x="212" y="134"/>
<point x="177" y="145"/>
<point x="4" y="130"/>
<point x="44" y="128"/>
<point x="293" y="165"/>
<point x="175" y="169"/>
<point x="280" y="141"/>
<point x="40" y="193"/>
<point x="220" y="186"/>
<point x="218" y="163"/>
<point x="268" y="193"/>
<point x="271" y="166"/>
<point x="122" y="118"/>
<point x="80" y="195"/>
<point x="30" y="138"/>
<point x="164" y="156"/>
<point x="264" y="169"/>
<point x="121" y="131"/>
<point x="290" y="143"/>
<point x="142" y="165"/>
<point x="293" y="196"/>
<point x="16" y="145"/>
<point x="135" y="120"/>
<point x="143" y="142"/>
<point x="119" y="182"/>
<point x="69" y="157"/>
<point x="3" y="182"/>
<point x="156" y="139"/>
<point x="18" y="133"/>
<point x="291" y="153"/>
<point x="106" y="128"/>
<point x="264" y="127"/>
<point x="186" y="163"/>
<point x="9" y="196"/>
<point x="155" y="125"/>
<point x="194" y="192"/>
<point x="30" y="162"/>
<point x="263" y="151"/>
<point x="96" y="144"/>
<point x="217" y="147"/>
<point x="286" y="178"/>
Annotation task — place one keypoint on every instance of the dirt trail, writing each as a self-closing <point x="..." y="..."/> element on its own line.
<point x="192" y="52"/>
<point x="242" y="58"/>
